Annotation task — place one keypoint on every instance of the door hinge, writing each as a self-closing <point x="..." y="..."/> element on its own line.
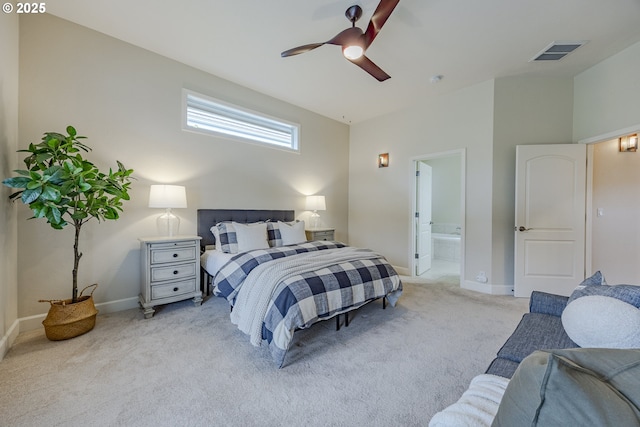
<point x="417" y="256"/>
<point x="417" y="173"/>
<point x="417" y="214"/>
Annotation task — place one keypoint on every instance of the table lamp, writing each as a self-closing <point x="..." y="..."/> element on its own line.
<point x="315" y="204"/>
<point x="168" y="197"/>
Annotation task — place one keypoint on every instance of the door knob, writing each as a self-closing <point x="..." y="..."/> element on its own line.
<point x="521" y="228"/>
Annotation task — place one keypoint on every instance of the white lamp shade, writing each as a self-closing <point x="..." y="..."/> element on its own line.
<point x="167" y="196"/>
<point x="315" y="203"/>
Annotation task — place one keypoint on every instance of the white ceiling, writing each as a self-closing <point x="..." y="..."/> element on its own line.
<point x="466" y="41"/>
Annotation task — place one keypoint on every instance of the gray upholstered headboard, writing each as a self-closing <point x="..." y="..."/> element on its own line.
<point x="210" y="217"/>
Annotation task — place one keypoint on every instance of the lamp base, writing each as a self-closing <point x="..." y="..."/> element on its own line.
<point x="314" y="220"/>
<point x="168" y="224"/>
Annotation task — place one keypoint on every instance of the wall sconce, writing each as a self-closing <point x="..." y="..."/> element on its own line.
<point x="167" y="197"/>
<point x="628" y="143"/>
<point x="383" y="160"/>
<point x="315" y="204"/>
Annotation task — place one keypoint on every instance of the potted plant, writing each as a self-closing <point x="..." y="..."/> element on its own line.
<point x="62" y="187"/>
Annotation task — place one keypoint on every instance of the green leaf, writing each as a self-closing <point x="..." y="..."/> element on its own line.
<point x="56" y="214"/>
<point x="71" y="131"/>
<point x="17" y="182"/>
<point x="50" y="193"/>
<point x="32" y="185"/>
<point x="79" y="215"/>
<point x="29" y="196"/>
<point x="39" y="211"/>
<point x="53" y="143"/>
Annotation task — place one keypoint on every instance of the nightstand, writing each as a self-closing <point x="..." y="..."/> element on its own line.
<point x="169" y="271"/>
<point x="320" y="234"/>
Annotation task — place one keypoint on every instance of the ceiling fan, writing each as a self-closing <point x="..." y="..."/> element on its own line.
<point x="354" y="41"/>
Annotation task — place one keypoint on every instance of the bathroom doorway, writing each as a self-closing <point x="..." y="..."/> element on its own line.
<point x="438" y="209"/>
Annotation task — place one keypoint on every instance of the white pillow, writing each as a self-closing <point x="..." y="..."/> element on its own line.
<point x="216" y="236"/>
<point x="602" y="322"/>
<point x="292" y="234"/>
<point x="251" y="236"/>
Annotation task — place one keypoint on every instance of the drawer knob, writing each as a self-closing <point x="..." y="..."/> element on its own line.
<point x="175" y="271"/>
<point x="175" y="289"/>
<point x="175" y="255"/>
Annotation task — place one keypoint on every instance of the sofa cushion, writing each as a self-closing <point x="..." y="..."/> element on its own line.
<point x="535" y="332"/>
<point x="589" y="387"/>
<point x="545" y="303"/>
<point x="602" y="321"/>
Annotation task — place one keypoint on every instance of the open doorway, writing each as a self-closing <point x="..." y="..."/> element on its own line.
<point x="438" y="209"/>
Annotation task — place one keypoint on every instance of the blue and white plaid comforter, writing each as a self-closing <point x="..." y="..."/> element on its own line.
<point x="310" y="295"/>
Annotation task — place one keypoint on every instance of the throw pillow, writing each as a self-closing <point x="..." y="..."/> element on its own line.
<point x="273" y="235"/>
<point x="228" y="241"/>
<point x="216" y="237"/>
<point x="251" y="236"/>
<point x="596" y="279"/>
<point x="602" y="321"/>
<point x="582" y="387"/>
<point x="627" y="293"/>
<point x="292" y="234"/>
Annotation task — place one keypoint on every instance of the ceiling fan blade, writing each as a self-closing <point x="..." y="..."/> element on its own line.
<point x="380" y="16"/>
<point x="346" y="37"/>
<point x="341" y="39"/>
<point x="300" y="49"/>
<point x="371" y="68"/>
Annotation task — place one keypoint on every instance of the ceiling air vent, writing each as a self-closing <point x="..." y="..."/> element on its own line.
<point x="557" y="50"/>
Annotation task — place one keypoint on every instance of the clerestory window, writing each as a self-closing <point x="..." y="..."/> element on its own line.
<point x="214" y="117"/>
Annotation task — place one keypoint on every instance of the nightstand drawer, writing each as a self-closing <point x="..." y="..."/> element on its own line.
<point x="173" y="289"/>
<point x="175" y="271"/>
<point x="321" y="234"/>
<point x="177" y="254"/>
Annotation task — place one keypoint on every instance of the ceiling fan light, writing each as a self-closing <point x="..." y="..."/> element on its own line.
<point x="353" y="52"/>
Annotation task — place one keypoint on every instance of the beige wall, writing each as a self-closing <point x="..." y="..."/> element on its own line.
<point x="606" y="104"/>
<point x="488" y="121"/>
<point x="127" y="102"/>
<point x="606" y="96"/>
<point x="616" y="234"/>
<point x="528" y="110"/>
<point x="380" y="200"/>
<point x="8" y="161"/>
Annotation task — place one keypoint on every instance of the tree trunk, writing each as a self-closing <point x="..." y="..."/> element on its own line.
<point x="76" y="261"/>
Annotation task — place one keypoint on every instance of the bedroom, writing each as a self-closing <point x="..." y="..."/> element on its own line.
<point x="127" y="99"/>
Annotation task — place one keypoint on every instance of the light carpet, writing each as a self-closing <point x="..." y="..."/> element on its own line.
<point x="189" y="366"/>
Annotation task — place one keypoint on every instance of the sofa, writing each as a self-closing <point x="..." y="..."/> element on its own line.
<point x="570" y="361"/>
<point x="541" y="328"/>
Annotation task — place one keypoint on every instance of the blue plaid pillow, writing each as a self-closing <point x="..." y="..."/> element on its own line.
<point x="596" y="285"/>
<point x="273" y="235"/>
<point x="228" y="239"/>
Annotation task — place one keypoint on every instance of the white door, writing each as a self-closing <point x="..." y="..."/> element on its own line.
<point x="424" y="176"/>
<point x="550" y="218"/>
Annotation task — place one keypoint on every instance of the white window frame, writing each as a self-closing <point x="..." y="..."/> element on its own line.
<point x="233" y="122"/>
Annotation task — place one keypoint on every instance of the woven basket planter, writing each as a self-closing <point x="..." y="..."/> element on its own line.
<point x="68" y="320"/>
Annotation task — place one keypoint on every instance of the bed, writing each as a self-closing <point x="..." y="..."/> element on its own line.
<point x="276" y="282"/>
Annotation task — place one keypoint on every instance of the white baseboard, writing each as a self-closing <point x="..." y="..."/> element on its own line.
<point x="403" y="271"/>
<point x="487" y="288"/>
<point x="7" y="340"/>
<point x="34" y="322"/>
